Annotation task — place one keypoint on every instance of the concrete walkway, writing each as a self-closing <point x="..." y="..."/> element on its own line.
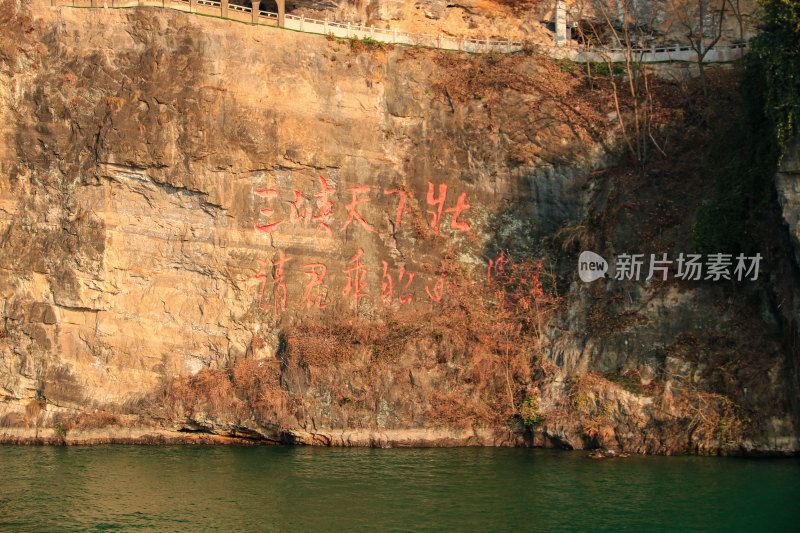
<point x="568" y="50"/>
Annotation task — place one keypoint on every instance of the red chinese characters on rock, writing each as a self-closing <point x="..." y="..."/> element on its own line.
<point x="325" y="206"/>
<point x="440" y="286"/>
<point x="401" y="204"/>
<point x="461" y="206"/>
<point x="279" y="285"/>
<point x="387" y="287"/>
<point x="263" y="277"/>
<point x="352" y="212"/>
<point x="314" y="296"/>
<point x="404" y="299"/>
<point x="267" y="228"/>
<point x="302" y="211"/>
<point x="436" y="215"/>
<point x="393" y="289"/>
<point x="356" y="281"/>
<point x="299" y="212"/>
<point x="318" y="212"/>
<point x="498" y="265"/>
<point x="439" y="201"/>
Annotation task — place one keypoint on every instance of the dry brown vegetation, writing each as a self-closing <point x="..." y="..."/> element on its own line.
<point x="582" y="104"/>
<point x="557" y="95"/>
<point x="248" y="390"/>
<point x="594" y="403"/>
<point x="486" y="344"/>
<point x="482" y="352"/>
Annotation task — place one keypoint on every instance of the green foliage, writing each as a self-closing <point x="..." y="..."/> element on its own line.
<point x="529" y="412"/>
<point x="748" y="150"/>
<point x="566" y="64"/>
<point x="60" y="430"/>
<point x="777" y="49"/>
<point x="357" y="44"/>
<point x="371" y="42"/>
<point x="602" y="69"/>
<point x="630" y="381"/>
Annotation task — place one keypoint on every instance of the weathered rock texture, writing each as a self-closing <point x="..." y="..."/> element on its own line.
<point x="141" y="151"/>
<point x="788" y="187"/>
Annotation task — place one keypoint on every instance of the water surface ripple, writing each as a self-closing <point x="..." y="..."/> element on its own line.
<point x="128" y="488"/>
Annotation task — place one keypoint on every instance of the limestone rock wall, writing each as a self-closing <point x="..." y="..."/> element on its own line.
<point x="144" y="148"/>
<point x="176" y="191"/>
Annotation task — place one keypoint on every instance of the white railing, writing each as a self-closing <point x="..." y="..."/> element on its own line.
<point x="236" y="7"/>
<point x="347" y="30"/>
<point x="653" y="54"/>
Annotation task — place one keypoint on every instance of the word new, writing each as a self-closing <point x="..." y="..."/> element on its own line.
<point x="693" y="267"/>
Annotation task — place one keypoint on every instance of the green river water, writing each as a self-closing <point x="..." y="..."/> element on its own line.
<point x="165" y="488"/>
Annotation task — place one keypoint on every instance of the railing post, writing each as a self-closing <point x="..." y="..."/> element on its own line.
<point x="192" y="6"/>
<point x="394" y="35"/>
<point x="325" y="31"/>
<point x="223" y="8"/>
<point x="302" y="19"/>
<point x="348" y="29"/>
<point x="439" y="41"/>
<point x="255" y="4"/>
<point x="372" y="32"/>
<point x="508" y="45"/>
<point x="281" y="13"/>
<point x="561" y="21"/>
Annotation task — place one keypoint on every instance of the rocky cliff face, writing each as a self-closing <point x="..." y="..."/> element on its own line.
<point x="215" y="229"/>
<point x="788" y="188"/>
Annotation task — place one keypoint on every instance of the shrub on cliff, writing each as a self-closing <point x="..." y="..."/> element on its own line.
<point x="751" y="142"/>
<point x="775" y="57"/>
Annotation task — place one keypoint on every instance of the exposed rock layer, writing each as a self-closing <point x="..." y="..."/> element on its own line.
<point x="141" y="151"/>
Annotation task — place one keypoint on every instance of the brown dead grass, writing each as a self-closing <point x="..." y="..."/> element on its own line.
<point x="249" y="389"/>
<point x="485" y="343"/>
<point x="555" y="97"/>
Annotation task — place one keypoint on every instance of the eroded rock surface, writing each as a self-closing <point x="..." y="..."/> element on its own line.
<point x="165" y="213"/>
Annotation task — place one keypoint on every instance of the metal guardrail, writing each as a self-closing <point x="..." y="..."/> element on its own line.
<point x="719" y="53"/>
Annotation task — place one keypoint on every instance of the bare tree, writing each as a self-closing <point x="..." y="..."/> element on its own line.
<point x="737" y="10"/>
<point x="628" y="25"/>
<point x="702" y="21"/>
<point x="743" y="11"/>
